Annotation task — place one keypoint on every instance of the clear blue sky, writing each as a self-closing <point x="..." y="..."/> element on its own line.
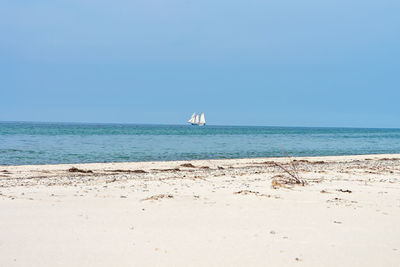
<point x="280" y="62"/>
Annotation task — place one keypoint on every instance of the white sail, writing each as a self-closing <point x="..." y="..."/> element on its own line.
<point x="202" y="119"/>
<point x="197" y="119"/>
<point x="192" y="119"/>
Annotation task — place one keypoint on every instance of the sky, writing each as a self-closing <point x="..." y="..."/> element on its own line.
<point x="254" y="62"/>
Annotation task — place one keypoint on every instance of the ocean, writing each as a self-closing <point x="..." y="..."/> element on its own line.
<point x="52" y="143"/>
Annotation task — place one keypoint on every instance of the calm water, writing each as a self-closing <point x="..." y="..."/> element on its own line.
<point x="40" y="143"/>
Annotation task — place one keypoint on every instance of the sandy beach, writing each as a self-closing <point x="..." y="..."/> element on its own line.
<point x="203" y="213"/>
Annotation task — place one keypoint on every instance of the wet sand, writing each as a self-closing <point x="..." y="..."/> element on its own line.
<point x="203" y="213"/>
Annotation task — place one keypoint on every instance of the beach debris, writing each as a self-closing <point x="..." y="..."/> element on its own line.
<point x="272" y="232"/>
<point x="291" y="170"/>
<point x="284" y="181"/>
<point x="249" y="192"/>
<point x="123" y="196"/>
<point x="325" y="192"/>
<point x="337" y="222"/>
<point x="128" y="171"/>
<point x="246" y="192"/>
<point x="269" y="162"/>
<point x="205" y="167"/>
<point x="220" y="168"/>
<point x="276" y="184"/>
<point x="297" y="259"/>
<point x="301" y="160"/>
<point x="157" y="197"/>
<point x="167" y="170"/>
<point x="188" y="165"/>
<point x="344" y="191"/>
<point x="5" y="171"/>
<point x="111" y="180"/>
<point x="338" y="201"/>
<point x="73" y="169"/>
<point x="139" y="171"/>
<point x="199" y="177"/>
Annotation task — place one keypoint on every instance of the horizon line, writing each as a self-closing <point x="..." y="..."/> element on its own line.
<point x="184" y="124"/>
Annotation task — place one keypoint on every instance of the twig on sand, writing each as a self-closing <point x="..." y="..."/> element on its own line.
<point x="293" y="173"/>
<point x="294" y="177"/>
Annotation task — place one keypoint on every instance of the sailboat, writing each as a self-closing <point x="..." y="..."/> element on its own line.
<point x="197" y="119"/>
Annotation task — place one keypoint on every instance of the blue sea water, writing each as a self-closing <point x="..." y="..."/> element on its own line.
<point x="45" y="143"/>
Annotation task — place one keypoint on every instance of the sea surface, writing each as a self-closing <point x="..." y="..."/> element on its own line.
<point x="50" y="143"/>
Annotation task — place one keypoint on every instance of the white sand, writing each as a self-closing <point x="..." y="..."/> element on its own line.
<point x="52" y="217"/>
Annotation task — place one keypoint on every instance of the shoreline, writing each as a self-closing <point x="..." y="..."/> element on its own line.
<point x="379" y="155"/>
<point x="235" y="212"/>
